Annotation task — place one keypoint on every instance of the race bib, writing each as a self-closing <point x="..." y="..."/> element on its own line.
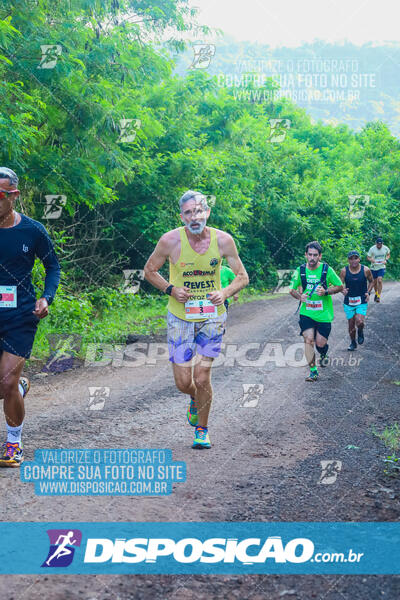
<point x="8" y="296"/>
<point x="314" y="305"/>
<point x="379" y="261"/>
<point x="355" y="301"/>
<point x="197" y="309"/>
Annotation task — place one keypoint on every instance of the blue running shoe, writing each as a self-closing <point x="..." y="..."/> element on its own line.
<point x="313" y="376"/>
<point x="201" y="438"/>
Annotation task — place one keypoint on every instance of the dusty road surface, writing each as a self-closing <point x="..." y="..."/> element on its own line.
<point x="265" y="462"/>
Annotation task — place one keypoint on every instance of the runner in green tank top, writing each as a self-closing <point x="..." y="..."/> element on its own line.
<point x="319" y="283"/>
<point x="196" y="311"/>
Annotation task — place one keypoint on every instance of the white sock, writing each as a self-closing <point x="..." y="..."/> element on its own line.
<point x="14" y="433"/>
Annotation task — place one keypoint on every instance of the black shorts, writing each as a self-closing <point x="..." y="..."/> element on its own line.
<point x="323" y="329"/>
<point x="17" y="336"/>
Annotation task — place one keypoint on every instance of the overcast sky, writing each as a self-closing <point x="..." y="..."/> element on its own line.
<point x="292" y="22"/>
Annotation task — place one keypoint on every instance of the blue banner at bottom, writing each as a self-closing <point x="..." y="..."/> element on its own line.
<point x="199" y="548"/>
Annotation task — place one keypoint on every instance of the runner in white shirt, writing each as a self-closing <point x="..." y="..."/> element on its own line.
<point x="378" y="255"/>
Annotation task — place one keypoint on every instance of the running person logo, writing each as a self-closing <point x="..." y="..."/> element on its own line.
<point x="50" y="54"/>
<point x="251" y="394"/>
<point x="62" y="547"/>
<point x="357" y="205"/>
<point x="330" y="469"/>
<point x="98" y="397"/>
<point x="54" y="206"/>
<point x="133" y="277"/>
<point x="278" y="130"/>
<point x="64" y="347"/>
<point x="284" y="279"/>
<point x="203" y="54"/>
<point x="128" y="130"/>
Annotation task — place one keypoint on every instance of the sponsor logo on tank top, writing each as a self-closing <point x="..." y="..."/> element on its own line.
<point x="197" y="273"/>
<point x="213" y="262"/>
<point x="199" y="285"/>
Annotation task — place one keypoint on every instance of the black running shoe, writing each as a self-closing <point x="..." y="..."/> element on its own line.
<point x="323" y="357"/>
<point x="376" y="298"/>
<point x="353" y="345"/>
<point x="324" y="360"/>
<point x="360" y="337"/>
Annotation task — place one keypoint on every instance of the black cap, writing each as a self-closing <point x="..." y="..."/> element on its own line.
<point x="353" y="253"/>
<point x="379" y="240"/>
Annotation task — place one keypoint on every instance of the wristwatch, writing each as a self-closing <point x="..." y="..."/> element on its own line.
<point x="169" y="290"/>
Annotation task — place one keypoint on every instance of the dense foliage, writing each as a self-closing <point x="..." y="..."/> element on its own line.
<point x="62" y="131"/>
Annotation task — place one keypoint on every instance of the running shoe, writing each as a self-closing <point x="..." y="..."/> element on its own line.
<point x="313" y="376"/>
<point x="360" y="337"/>
<point x="13" y="454"/>
<point x="192" y="413"/>
<point x="323" y="358"/>
<point x="377" y="298"/>
<point x="201" y="438"/>
<point x="25" y="384"/>
<point x="353" y="344"/>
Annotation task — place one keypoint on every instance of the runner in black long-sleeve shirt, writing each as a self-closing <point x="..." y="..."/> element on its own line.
<point x="21" y="240"/>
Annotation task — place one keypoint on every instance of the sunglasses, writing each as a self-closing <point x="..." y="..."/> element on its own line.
<point x="6" y="193"/>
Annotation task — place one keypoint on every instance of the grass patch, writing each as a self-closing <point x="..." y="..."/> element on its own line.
<point x="390" y="436"/>
<point x="106" y="323"/>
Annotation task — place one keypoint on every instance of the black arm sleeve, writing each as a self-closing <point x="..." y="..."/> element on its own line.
<point x="45" y="251"/>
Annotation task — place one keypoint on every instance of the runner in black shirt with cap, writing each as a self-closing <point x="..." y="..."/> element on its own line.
<point x="21" y="240"/>
<point x="358" y="282"/>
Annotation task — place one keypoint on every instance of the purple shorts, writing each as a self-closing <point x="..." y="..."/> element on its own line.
<point x="186" y="338"/>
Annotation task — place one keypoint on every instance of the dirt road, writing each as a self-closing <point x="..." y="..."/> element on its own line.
<point x="265" y="462"/>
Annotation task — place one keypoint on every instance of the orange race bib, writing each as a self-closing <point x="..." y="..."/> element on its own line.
<point x="197" y="309"/>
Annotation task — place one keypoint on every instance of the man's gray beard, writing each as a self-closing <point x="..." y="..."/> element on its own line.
<point x="199" y="230"/>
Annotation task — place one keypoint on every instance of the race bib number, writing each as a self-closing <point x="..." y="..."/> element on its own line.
<point x="355" y="301"/>
<point x="197" y="309"/>
<point x="8" y="296"/>
<point x="379" y="261"/>
<point x="314" y="305"/>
